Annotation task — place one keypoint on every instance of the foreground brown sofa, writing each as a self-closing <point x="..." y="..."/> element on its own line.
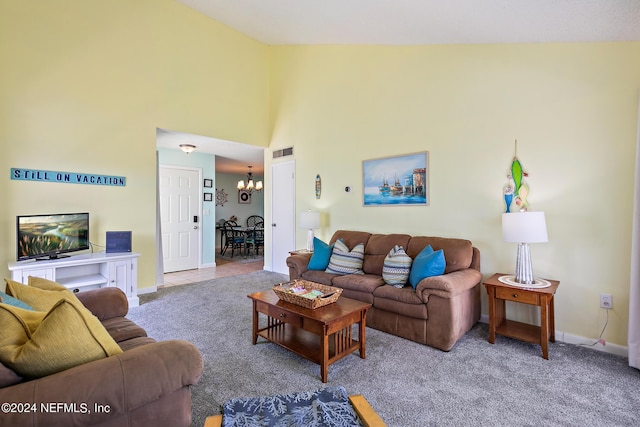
<point x="146" y="385"/>
<point x="441" y="309"/>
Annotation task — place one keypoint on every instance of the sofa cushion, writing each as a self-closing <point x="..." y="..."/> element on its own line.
<point x="360" y="282"/>
<point x="402" y="301"/>
<point x="8" y="299"/>
<point x="396" y="267"/>
<point x="122" y="329"/>
<point x="459" y="251"/>
<point x="321" y="255"/>
<point x="35" y="344"/>
<point x="8" y="377"/>
<point x="345" y="261"/>
<point x="378" y="247"/>
<point x="135" y="343"/>
<point x="321" y="277"/>
<point x="427" y="263"/>
<point x="350" y="238"/>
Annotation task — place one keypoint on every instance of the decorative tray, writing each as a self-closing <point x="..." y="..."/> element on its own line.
<point x="307" y="294"/>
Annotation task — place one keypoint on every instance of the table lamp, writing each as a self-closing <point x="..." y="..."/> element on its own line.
<point x="524" y="228"/>
<point x="310" y="220"/>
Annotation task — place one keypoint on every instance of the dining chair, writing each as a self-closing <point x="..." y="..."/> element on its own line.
<point x="233" y="238"/>
<point x="255" y="238"/>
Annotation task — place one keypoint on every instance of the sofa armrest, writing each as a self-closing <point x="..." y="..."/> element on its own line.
<point x="448" y="285"/>
<point x="298" y="264"/>
<point x="120" y="383"/>
<point x="105" y="303"/>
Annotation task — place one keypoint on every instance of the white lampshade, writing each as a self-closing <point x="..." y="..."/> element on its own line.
<point x="309" y="220"/>
<point x="524" y="227"/>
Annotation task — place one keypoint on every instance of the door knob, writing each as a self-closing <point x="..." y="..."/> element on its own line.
<point x="195" y="227"/>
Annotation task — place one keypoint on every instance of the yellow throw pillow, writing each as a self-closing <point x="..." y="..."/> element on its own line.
<point x="35" y="344"/>
<point x="41" y="294"/>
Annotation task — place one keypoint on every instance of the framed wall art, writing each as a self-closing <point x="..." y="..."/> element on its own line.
<point x="208" y="197"/>
<point x="244" y="197"/>
<point x="398" y="180"/>
<point x="208" y="183"/>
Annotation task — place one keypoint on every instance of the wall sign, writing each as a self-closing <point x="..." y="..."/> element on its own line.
<point x="67" y="177"/>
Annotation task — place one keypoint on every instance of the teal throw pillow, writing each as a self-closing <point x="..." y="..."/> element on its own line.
<point x="8" y="299"/>
<point x="426" y="264"/>
<point x="345" y="261"/>
<point x="396" y="267"/>
<point x="321" y="255"/>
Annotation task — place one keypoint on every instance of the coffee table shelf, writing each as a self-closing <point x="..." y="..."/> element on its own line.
<point x="323" y="335"/>
<point x="304" y="343"/>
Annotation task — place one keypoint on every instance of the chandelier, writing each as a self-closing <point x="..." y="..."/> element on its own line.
<point x="250" y="186"/>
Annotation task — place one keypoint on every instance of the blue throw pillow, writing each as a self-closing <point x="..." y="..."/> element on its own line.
<point x="426" y="264"/>
<point x="321" y="255"/>
<point x="7" y="299"/>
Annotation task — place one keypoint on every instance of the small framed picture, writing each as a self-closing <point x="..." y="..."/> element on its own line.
<point x="208" y="197"/>
<point x="244" y="197"/>
<point x="208" y="183"/>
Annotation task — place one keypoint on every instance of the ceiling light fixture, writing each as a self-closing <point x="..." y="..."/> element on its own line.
<point x="187" y="148"/>
<point x="250" y="186"/>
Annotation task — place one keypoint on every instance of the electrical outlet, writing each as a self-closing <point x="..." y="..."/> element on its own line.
<point x="606" y="301"/>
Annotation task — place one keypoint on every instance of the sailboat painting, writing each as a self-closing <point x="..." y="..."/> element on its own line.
<point x="398" y="180"/>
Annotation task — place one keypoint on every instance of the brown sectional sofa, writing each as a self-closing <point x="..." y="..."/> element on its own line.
<point x="146" y="385"/>
<point x="441" y="309"/>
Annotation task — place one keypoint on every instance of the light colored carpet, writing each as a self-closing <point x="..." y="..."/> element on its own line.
<point x="407" y="384"/>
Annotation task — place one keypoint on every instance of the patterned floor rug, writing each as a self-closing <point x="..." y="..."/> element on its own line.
<point x="327" y="407"/>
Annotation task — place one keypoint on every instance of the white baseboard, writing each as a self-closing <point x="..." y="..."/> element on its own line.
<point x="561" y="336"/>
<point x="148" y="290"/>
<point x="608" y="348"/>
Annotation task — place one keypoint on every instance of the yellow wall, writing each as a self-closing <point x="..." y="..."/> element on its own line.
<point x="572" y="107"/>
<point x="83" y="86"/>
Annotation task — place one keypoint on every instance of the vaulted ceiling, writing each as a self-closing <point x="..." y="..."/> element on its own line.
<point x="406" y="22"/>
<point x="411" y="22"/>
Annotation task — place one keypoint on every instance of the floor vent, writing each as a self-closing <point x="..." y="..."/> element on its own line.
<point x="283" y="152"/>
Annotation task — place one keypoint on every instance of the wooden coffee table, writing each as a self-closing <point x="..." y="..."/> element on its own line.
<point x="322" y="335"/>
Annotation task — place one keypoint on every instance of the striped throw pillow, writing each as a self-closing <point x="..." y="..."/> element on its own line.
<point x="344" y="261"/>
<point x="396" y="267"/>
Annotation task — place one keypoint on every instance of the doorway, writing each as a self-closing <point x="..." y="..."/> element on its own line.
<point x="283" y="220"/>
<point x="179" y="217"/>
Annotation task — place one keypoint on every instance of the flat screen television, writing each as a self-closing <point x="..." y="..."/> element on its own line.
<point x="50" y="236"/>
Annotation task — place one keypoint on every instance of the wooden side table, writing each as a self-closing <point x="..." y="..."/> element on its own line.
<point x="499" y="324"/>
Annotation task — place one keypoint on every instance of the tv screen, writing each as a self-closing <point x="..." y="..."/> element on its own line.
<point x="48" y="236"/>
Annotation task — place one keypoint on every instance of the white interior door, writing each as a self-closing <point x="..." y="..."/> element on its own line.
<point x="283" y="221"/>
<point x="180" y="217"/>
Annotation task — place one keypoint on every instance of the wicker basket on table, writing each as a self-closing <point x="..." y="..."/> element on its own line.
<point x="331" y="294"/>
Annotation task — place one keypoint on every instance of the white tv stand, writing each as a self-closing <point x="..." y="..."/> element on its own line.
<point x="84" y="272"/>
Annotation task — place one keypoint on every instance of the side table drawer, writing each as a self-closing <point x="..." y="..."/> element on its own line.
<point x="284" y="316"/>
<point x="518" y="295"/>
